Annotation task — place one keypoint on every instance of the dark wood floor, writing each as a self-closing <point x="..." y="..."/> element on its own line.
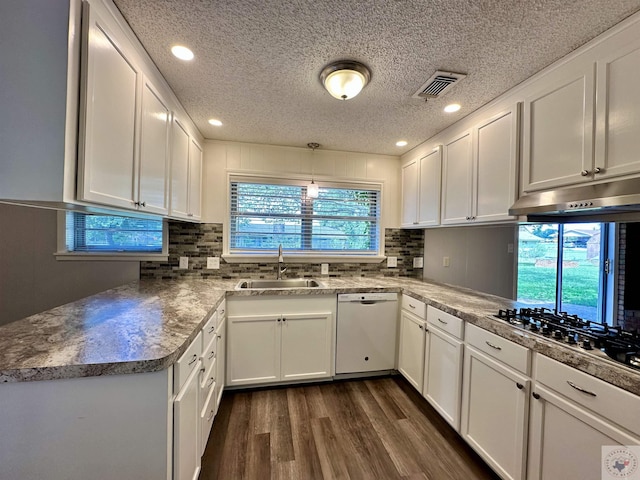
<point x="362" y="429"/>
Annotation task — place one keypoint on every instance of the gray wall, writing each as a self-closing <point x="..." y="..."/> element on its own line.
<point x="479" y="257"/>
<point x="32" y="280"/>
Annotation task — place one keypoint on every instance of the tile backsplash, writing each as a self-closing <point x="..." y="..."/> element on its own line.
<point x="199" y="241"/>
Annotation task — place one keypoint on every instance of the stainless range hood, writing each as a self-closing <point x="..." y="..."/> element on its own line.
<point x="616" y="201"/>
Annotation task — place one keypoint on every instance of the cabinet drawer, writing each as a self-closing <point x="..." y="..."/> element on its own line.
<point x="209" y="353"/>
<point x="605" y="399"/>
<point x="209" y="330"/>
<point x="207" y="383"/>
<point x="186" y="363"/>
<point x="445" y="321"/>
<point x="207" y="415"/>
<point x="512" y="354"/>
<point x="414" y="306"/>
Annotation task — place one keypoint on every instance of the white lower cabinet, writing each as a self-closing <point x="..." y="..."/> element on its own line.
<point x="495" y="404"/>
<point x="221" y="354"/>
<point x="411" y="348"/>
<point x="290" y="339"/>
<point x="570" y="425"/>
<point x="186" y="418"/>
<point x="442" y="385"/>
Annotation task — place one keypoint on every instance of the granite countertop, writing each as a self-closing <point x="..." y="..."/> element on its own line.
<point x="146" y="325"/>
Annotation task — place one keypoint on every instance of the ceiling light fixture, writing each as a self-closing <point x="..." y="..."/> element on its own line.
<point x="401" y="143"/>
<point x="312" y="188"/>
<point x="345" y="79"/>
<point x="454" y="107"/>
<point x="183" y="53"/>
<point x="215" y="122"/>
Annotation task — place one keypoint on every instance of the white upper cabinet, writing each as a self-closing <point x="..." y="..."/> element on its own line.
<point x="457" y="177"/>
<point x="195" y="180"/>
<point x="421" y="190"/>
<point x="186" y="173"/>
<point x="111" y="101"/>
<point x="154" y="152"/>
<point x="618" y="107"/>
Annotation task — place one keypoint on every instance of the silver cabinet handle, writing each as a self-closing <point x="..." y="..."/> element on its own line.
<point x="468" y="218"/>
<point x="580" y="389"/>
<point x="195" y="357"/>
<point x="211" y="355"/>
<point x="598" y="170"/>
<point x="219" y="337"/>
<point x="584" y="173"/>
<point x="442" y="321"/>
<point x="210" y="416"/>
<point x="492" y="345"/>
<point x="189" y="214"/>
<point x="412" y="306"/>
<point x="421" y="327"/>
<point x="520" y="386"/>
<point x="212" y="329"/>
<point x="211" y="382"/>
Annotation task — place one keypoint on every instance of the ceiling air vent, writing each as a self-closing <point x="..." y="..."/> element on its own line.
<point x="439" y="83"/>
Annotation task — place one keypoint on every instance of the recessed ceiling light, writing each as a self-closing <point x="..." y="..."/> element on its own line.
<point x="183" y="53"/>
<point x="215" y="122"/>
<point x="401" y="143"/>
<point x="454" y="107"/>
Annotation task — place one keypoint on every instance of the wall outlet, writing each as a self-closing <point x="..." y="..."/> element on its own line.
<point x="184" y="263"/>
<point x="324" y="269"/>
<point x="213" y="263"/>
<point x="392" y="262"/>
<point x="418" y="262"/>
<point x="445" y="261"/>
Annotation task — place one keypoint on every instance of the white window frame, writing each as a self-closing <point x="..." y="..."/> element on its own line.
<point x="65" y="255"/>
<point x="300" y="257"/>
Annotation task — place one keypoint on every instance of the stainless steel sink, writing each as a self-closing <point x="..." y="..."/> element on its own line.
<point x="283" y="283"/>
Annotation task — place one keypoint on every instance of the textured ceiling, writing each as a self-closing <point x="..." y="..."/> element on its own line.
<point x="257" y="62"/>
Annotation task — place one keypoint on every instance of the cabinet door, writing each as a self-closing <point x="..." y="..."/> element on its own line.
<point x="154" y="152"/>
<point x="430" y="169"/>
<point x="442" y="384"/>
<point x="618" y="108"/>
<point x="457" y="177"/>
<point x="494" y="413"/>
<point x="195" y="180"/>
<point x="495" y="162"/>
<point x="186" y="419"/>
<point x="110" y="98"/>
<point x="254" y="349"/>
<point x="558" y="131"/>
<point x="179" y="170"/>
<point x="561" y="432"/>
<point x="411" y="354"/>
<point x="306" y="345"/>
<point x="410" y="194"/>
<point x="221" y="352"/>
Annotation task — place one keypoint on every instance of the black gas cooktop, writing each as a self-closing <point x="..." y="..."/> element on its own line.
<point x="618" y="344"/>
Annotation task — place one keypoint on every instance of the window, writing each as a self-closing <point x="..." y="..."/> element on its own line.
<point x="344" y="219"/>
<point x="108" y="234"/>
<point x="564" y="267"/>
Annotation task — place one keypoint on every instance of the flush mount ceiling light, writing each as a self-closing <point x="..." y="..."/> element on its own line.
<point x="183" y="53"/>
<point x="401" y="143"/>
<point x="215" y="122"/>
<point x="345" y="79"/>
<point x="454" y="107"/>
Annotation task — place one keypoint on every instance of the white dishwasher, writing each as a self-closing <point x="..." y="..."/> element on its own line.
<point x="366" y="332"/>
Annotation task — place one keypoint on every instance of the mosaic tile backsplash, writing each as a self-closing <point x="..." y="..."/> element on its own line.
<point x="199" y="241"/>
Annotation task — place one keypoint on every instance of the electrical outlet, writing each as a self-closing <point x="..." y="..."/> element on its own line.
<point x="445" y="261"/>
<point x="213" y="263"/>
<point x="418" y="262"/>
<point x="324" y="269"/>
<point x="392" y="262"/>
<point x="184" y="263"/>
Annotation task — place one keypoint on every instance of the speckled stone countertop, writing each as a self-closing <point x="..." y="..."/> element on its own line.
<point x="146" y="325"/>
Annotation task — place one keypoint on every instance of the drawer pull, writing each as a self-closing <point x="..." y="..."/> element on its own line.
<point x="496" y="347"/>
<point x="536" y="395"/>
<point x="195" y="357"/>
<point x="211" y="355"/>
<point x="520" y="386"/>
<point x="210" y="416"/>
<point x="212" y="329"/>
<point x="211" y="381"/>
<point x="442" y="321"/>
<point x="580" y="389"/>
<point x="219" y="337"/>
<point x="412" y="306"/>
<point x="421" y="327"/>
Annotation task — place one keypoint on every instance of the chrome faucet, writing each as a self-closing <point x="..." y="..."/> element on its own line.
<point x="281" y="267"/>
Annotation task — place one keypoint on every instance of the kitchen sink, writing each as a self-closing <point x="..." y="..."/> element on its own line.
<point x="283" y="283"/>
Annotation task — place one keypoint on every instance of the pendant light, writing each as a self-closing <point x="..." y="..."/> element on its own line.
<point x="312" y="188"/>
<point x="345" y="79"/>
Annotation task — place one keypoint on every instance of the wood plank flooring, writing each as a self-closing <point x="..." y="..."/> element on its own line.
<point x="358" y="429"/>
